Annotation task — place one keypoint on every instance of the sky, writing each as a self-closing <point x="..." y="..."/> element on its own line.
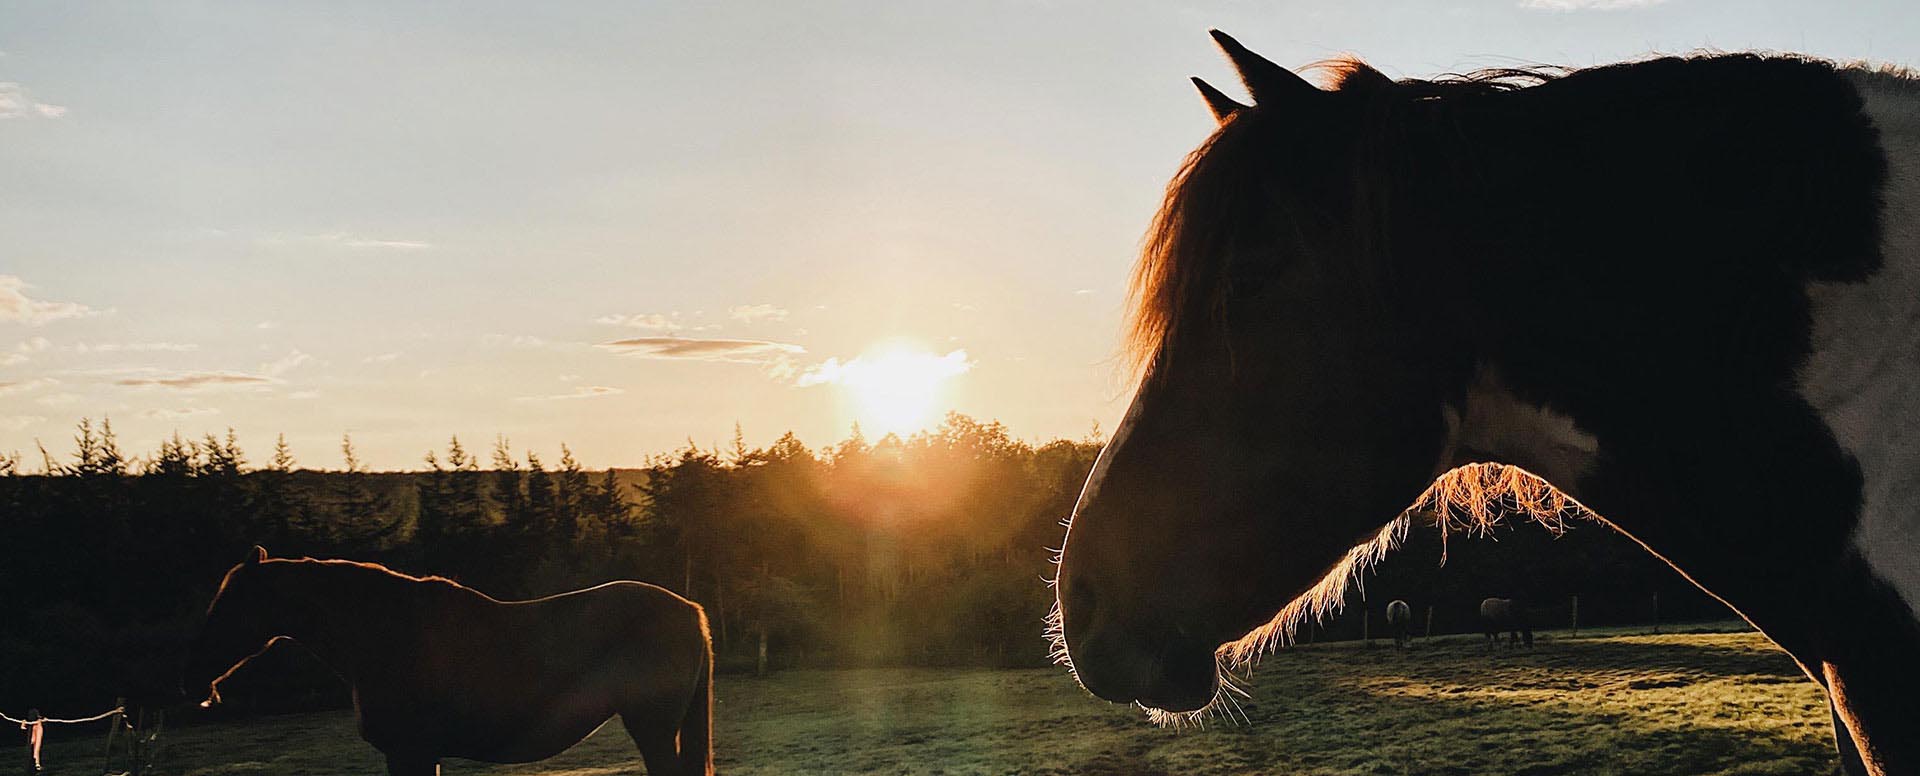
<point x="628" y="226"/>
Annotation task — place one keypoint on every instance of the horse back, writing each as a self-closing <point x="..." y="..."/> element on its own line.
<point x="519" y="681"/>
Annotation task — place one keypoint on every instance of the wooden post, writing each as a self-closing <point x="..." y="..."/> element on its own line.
<point x="139" y="753"/>
<point x="1576" y="617"/>
<point x="150" y="753"/>
<point x="113" y="726"/>
<point x="760" y="665"/>
<point x="1429" y="631"/>
<point x="1366" y="626"/>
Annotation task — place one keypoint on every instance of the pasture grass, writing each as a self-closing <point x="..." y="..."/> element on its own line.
<point x="1688" y="703"/>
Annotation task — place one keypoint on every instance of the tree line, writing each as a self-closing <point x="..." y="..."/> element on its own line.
<point x="926" y="550"/>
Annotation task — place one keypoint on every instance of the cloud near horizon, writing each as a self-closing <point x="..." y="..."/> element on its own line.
<point x="284" y="364"/>
<point x="860" y="370"/>
<point x="36" y="345"/>
<point x="665" y="323"/>
<point x="582" y="392"/>
<point x="195" y="380"/>
<point x="1568" y="6"/>
<point x="345" y="240"/>
<point x="741" y="351"/>
<point x="754" y="313"/>
<point x="18" y="422"/>
<point x="22" y="386"/>
<point x="17" y="307"/>
<point x="185" y="412"/>
<point x="15" y="103"/>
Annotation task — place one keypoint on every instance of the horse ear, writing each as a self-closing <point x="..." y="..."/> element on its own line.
<point x="258" y="555"/>
<point x="1217" y="101"/>
<point x="1267" y="82"/>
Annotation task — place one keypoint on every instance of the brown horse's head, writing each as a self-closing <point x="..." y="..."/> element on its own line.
<point x="1289" y="408"/>
<point x="241" y="622"/>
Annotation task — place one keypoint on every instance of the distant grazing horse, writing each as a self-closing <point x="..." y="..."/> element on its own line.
<point x="1685" y="291"/>
<point x="1502" y="615"/>
<point x="440" y="670"/>
<point x="1399" y="620"/>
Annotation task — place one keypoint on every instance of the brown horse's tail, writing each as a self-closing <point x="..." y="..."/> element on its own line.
<point x="696" y="728"/>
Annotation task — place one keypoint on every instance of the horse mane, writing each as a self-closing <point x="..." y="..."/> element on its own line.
<point x="1185" y="267"/>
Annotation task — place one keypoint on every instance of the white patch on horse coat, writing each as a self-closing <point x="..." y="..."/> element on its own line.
<point x="1864" y="374"/>
<point x="1495" y="426"/>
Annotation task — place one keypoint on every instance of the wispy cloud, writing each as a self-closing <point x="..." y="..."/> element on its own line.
<point x="666" y="323"/>
<point x="522" y="341"/>
<point x="197" y="380"/>
<point x="860" y="370"/>
<point x="16" y="103"/>
<point x="22" y="386"/>
<point x="1568" y="6"/>
<point x="742" y="351"/>
<point x="581" y="392"/>
<point x="25" y="351"/>
<point x="383" y="358"/>
<point x="37" y="345"/>
<point x="16" y="306"/>
<point x="284" y="364"/>
<point x="343" y="240"/>
<point x="754" y="313"/>
<point x="403" y="245"/>
<point x="646" y="321"/>
<point x="177" y="414"/>
<point x="134" y="347"/>
<point x="19" y="422"/>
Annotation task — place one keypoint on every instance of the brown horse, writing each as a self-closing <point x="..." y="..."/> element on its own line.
<point x="1502" y="615"/>
<point x="440" y="670"/>
<point x="1400" y="621"/>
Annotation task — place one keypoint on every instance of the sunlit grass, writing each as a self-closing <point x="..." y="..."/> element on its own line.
<point x="1674" y="704"/>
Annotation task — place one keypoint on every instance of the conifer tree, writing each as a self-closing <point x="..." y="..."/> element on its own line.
<point x="358" y="527"/>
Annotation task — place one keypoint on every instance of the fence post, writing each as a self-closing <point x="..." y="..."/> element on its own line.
<point x="1576" y="618"/>
<point x="113" y="726"/>
<point x="1429" y="630"/>
<point x="760" y="664"/>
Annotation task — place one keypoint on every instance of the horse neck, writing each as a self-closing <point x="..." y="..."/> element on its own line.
<point x="342" y="613"/>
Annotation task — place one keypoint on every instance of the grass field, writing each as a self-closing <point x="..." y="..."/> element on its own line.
<point x="1673" y="704"/>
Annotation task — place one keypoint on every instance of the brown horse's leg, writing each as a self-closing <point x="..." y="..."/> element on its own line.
<point x="658" y="744"/>
<point x="401" y="766"/>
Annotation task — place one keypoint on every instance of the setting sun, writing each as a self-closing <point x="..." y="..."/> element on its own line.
<point x="893" y="387"/>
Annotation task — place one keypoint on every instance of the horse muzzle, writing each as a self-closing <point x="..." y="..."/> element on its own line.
<point x="1170" y="674"/>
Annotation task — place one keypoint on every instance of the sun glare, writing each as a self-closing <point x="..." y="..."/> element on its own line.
<point x="892" y="388"/>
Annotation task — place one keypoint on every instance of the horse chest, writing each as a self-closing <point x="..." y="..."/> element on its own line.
<point x="1863" y="376"/>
